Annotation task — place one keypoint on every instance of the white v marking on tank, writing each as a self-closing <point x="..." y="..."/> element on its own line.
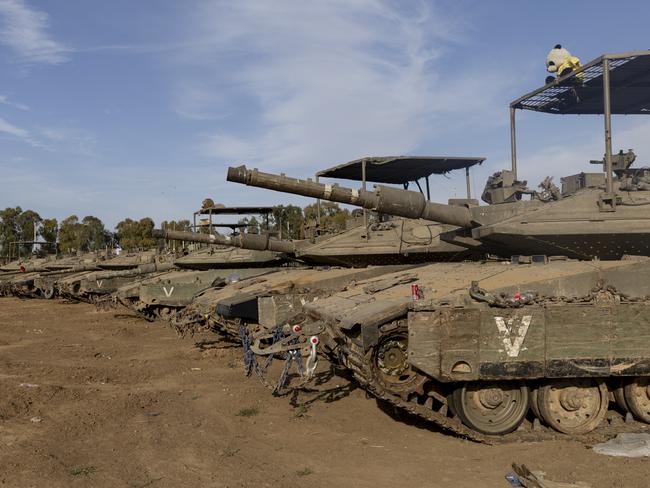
<point x="513" y="333"/>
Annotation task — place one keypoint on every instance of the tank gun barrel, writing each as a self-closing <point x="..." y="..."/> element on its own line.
<point x="385" y="199"/>
<point x="44" y="268"/>
<point x="256" y="242"/>
<point x="142" y="269"/>
<point x="77" y="268"/>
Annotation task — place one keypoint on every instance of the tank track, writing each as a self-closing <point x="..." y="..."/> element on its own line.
<point x="356" y="361"/>
<point x="350" y="355"/>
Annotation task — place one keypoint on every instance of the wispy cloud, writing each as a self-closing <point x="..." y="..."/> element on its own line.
<point x="17" y="132"/>
<point x="300" y="83"/>
<point x="12" y="130"/>
<point x="4" y="100"/>
<point x="60" y="139"/>
<point x="25" y="30"/>
<point x="69" y="139"/>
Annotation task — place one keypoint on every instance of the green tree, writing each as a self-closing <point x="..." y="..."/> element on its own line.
<point x="145" y="228"/>
<point x="126" y="233"/>
<point x="9" y="231"/>
<point x="252" y="225"/>
<point x="333" y="217"/>
<point x="28" y="222"/>
<point x="287" y="221"/>
<point x="181" y="225"/>
<point x="134" y="235"/>
<point x="98" y="236"/>
<point x="73" y="235"/>
<point x="48" y="233"/>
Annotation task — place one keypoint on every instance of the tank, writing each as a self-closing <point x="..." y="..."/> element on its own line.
<point x="92" y="285"/>
<point x="37" y="278"/>
<point x="16" y="270"/>
<point x="549" y="333"/>
<point x="163" y="295"/>
<point x="471" y="346"/>
<point x="391" y="240"/>
<point x="385" y="242"/>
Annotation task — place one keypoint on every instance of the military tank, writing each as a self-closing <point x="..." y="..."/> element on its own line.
<point x="390" y="240"/>
<point x="382" y="242"/>
<point x="385" y="240"/>
<point x="254" y="311"/>
<point x="13" y="269"/>
<point x="163" y="295"/>
<point x="37" y="278"/>
<point x="550" y="331"/>
<point x="94" y="284"/>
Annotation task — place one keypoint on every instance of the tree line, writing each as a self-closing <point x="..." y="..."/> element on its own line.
<point x="25" y="231"/>
<point x="291" y="221"/>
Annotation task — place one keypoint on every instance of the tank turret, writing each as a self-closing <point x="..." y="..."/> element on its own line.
<point x="546" y="224"/>
<point x="398" y="240"/>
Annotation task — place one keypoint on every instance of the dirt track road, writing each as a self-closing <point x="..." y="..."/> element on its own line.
<point x="105" y="400"/>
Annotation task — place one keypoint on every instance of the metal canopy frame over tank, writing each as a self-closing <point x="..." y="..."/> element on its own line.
<point x="223" y="210"/>
<point x="399" y="170"/>
<point x="611" y="84"/>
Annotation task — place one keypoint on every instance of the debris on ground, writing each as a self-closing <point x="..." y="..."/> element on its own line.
<point x="522" y="476"/>
<point x="627" y="444"/>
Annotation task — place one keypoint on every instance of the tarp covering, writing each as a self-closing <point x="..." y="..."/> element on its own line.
<point x="581" y="92"/>
<point x="398" y="169"/>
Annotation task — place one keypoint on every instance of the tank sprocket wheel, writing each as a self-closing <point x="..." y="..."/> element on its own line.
<point x="637" y="398"/>
<point x="492" y="408"/>
<point x="389" y="366"/>
<point x="574" y="406"/>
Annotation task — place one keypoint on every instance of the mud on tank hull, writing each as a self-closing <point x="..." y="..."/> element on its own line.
<point x="554" y="339"/>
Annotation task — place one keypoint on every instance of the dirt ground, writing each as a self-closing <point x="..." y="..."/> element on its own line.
<point x="105" y="399"/>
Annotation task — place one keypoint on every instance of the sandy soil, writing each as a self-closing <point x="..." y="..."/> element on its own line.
<point x="102" y="399"/>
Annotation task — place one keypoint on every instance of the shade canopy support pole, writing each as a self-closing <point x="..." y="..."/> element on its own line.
<point x="363" y="182"/>
<point x="513" y="143"/>
<point x="607" y="111"/>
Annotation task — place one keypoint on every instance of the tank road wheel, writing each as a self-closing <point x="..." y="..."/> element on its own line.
<point x="637" y="398"/>
<point x="165" y="313"/>
<point x="574" y="406"/>
<point x="48" y="293"/>
<point x="534" y="405"/>
<point x="619" y="397"/>
<point x="390" y="366"/>
<point x="492" y="408"/>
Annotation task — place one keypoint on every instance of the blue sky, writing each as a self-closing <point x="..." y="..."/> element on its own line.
<point x="132" y="109"/>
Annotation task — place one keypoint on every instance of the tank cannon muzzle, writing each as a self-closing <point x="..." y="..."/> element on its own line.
<point x="385" y="199"/>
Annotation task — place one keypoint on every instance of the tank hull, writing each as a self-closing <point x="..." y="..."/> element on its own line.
<point x="475" y="331"/>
